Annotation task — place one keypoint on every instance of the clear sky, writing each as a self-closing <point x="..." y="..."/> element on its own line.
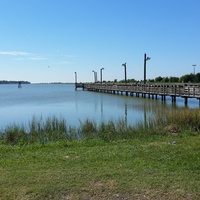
<point x="49" y="40"/>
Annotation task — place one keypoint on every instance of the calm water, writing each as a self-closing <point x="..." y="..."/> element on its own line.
<point x="20" y="105"/>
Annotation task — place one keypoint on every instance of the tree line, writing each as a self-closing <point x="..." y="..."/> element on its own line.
<point x="14" y="82"/>
<point x="188" y="78"/>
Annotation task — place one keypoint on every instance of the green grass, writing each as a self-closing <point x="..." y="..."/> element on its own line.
<point x="151" y="168"/>
<point x="53" y="129"/>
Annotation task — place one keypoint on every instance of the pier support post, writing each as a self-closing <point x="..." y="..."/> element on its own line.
<point x="186" y="101"/>
<point x="163" y="98"/>
<point x="174" y="99"/>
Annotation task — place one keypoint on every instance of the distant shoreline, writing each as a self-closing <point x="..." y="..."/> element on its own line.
<point x="14" y="82"/>
<point x="27" y="82"/>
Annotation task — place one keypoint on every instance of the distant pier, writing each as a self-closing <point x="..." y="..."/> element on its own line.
<point x="79" y="85"/>
<point x="185" y="91"/>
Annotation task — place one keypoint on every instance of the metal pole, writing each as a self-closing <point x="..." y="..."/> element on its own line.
<point x="75" y="80"/>
<point x="194" y="73"/>
<point x="94" y="76"/>
<point x="75" y="77"/>
<point x="145" y="60"/>
<point x="101" y="74"/>
<point x="124" y="71"/>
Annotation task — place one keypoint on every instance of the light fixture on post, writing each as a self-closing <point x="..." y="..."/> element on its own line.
<point x="75" y="80"/>
<point x="124" y="65"/>
<point x="194" y="73"/>
<point x="101" y="73"/>
<point x="75" y="77"/>
<point x="94" y="76"/>
<point x="145" y="60"/>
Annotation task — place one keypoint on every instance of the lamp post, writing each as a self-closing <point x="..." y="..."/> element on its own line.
<point x="95" y="76"/>
<point x="145" y="60"/>
<point x="75" y="80"/>
<point x="75" y="77"/>
<point x="101" y="73"/>
<point x="194" y="73"/>
<point x="124" y="65"/>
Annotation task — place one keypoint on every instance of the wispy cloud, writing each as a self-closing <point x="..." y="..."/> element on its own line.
<point x="37" y="58"/>
<point x="21" y="55"/>
<point x="31" y="58"/>
<point x="15" y="53"/>
<point x="63" y="55"/>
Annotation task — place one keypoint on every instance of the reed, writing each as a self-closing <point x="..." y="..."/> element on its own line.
<point x="53" y="129"/>
<point x="178" y="120"/>
<point x="38" y="130"/>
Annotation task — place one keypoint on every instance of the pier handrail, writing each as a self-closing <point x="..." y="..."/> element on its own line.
<point x="179" y="90"/>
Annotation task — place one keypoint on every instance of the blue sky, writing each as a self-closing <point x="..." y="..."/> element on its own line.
<point x="48" y="40"/>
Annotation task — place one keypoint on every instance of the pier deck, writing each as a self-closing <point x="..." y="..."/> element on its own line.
<point x="146" y="90"/>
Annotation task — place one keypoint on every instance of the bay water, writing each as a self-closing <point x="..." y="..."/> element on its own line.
<point x="19" y="105"/>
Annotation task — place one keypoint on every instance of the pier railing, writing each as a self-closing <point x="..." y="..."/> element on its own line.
<point x="168" y="90"/>
<point x="152" y="90"/>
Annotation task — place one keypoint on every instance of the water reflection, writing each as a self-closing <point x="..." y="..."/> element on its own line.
<point x="62" y="100"/>
<point x="132" y="109"/>
<point x="126" y="113"/>
<point x="101" y="109"/>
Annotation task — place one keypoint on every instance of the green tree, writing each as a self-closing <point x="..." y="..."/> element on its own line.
<point x="151" y="80"/>
<point x="166" y="80"/>
<point x="197" y="77"/>
<point x="173" y="79"/>
<point x="187" y="78"/>
<point x="158" y="79"/>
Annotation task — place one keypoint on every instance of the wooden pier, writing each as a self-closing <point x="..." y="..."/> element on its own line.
<point x="146" y="90"/>
<point x="79" y="85"/>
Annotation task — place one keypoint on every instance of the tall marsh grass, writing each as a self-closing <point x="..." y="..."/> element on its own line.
<point x="188" y="119"/>
<point x="53" y="129"/>
<point x="38" y="130"/>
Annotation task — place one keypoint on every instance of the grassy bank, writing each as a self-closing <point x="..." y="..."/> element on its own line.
<point x="151" y="168"/>
<point x="54" y="129"/>
<point x="155" y="160"/>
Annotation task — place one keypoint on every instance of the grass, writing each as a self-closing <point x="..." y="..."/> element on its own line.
<point x="53" y="129"/>
<point x="152" y="168"/>
<point x="49" y="160"/>
<point x="187" y="118"/>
